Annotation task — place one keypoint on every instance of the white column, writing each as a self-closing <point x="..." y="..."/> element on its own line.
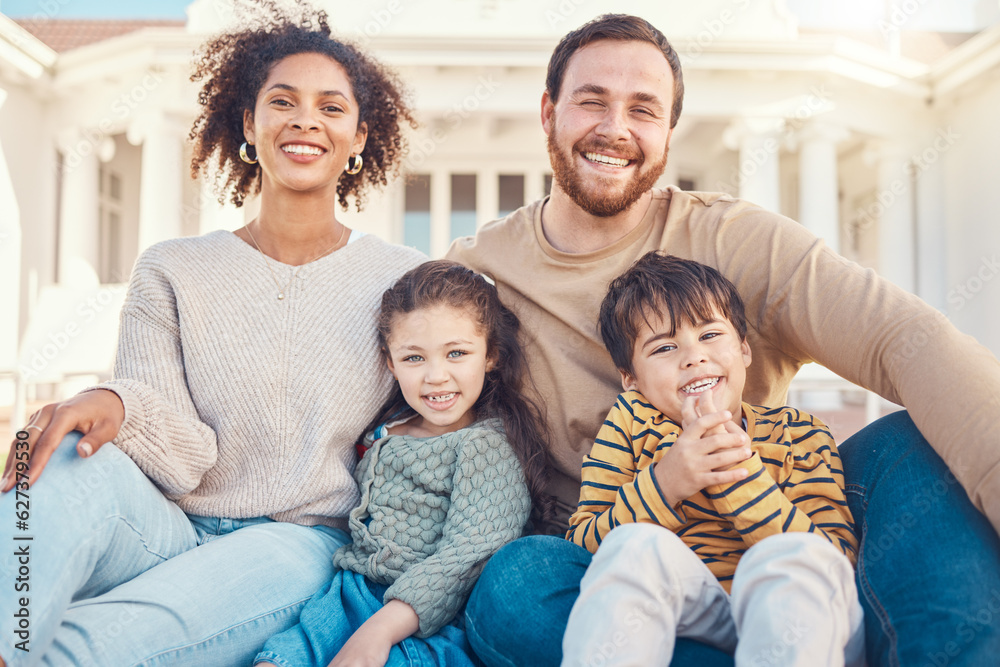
<point x="487" y="196"/>
<point x="895" y="225"/>
<point x="212" y="215"/>
<point x="759" y="143"/>
<point x="932" y="230"/>
<point x="79" y="225"/>
<point x="534" y="185"/>
<point x="819" y="213"/>
<point x="670" y="174"/>
<point x="440" y="212"/>
<point x="10" y="270"/>
<point x="160" y="187"/>
<point x="818" y="185"/>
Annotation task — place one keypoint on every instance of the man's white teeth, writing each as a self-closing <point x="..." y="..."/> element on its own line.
<point x="700" y="386"/>
<point x="441" y="399"/>
<point x="606" y="159"/>
<point x="299" y="149"/>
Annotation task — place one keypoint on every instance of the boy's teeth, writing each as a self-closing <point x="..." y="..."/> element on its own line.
<point x="606" y="159"/>
<point x="297" y="149"/>
<point x="700" y="386"/>
<point x="441" y="399"/>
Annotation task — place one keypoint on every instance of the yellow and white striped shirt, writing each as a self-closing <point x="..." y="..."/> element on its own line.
<point x="795" y="483"/>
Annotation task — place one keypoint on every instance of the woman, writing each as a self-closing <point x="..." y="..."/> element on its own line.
<point x="247" y="367"/>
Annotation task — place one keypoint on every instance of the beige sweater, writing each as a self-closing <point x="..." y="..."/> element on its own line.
<point x="804" y="303"/>
<point x="240" y="405"/>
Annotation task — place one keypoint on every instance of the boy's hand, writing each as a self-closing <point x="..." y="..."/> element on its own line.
<point x="709" y="445"/>
<point x="705" y="405"/>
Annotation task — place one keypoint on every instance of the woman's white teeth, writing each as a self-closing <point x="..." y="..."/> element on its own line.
<point x="298" y="149"/>
<point x="441" y="399"/>
<point x="606" y="159"/>
<point x="700" y="386"/>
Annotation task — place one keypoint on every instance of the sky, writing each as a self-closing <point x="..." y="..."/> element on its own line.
<point x="105" y="9"/>
<point x="947" y="15"/>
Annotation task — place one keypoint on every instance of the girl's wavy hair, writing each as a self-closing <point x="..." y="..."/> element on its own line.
<point x="233" y="68"/>
<point x="442" y="282"/>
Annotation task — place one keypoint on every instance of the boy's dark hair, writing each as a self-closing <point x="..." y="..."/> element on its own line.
<point x="622" y="28"/>
<point x="679" y="289"/>
<point x="442" y="282"/>
<point x="234" y="66"/>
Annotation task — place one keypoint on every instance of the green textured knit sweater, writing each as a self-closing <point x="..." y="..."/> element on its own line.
<point x="433" y="511"/>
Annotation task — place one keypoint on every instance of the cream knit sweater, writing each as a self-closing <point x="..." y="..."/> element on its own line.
<point x="240" y="405"/>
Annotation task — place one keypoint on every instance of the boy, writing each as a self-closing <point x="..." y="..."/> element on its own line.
<point x="760" y="548"/>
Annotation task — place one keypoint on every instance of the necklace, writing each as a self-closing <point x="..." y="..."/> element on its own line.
<point x="274" y="277"/>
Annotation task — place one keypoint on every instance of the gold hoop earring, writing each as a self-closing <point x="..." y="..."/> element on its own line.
<point x="358" y="162"/>
<point x="245" y="156"/>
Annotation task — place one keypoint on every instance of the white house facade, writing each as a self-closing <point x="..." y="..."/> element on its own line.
<point x="884" y="148"/>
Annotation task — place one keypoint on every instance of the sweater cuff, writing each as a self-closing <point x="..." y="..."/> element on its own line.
<point x="131" y="403"/>
<point x="174" y="463"/>
<point x="733" y="496"/>
<point x="656" y="501"/>
<point x="434" y="605"/>
<point x="136" y="413"/>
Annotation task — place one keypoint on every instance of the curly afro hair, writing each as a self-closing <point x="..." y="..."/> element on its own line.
<point x="234" y="67"/>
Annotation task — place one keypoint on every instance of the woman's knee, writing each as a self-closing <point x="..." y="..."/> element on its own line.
<point x="74" y="487"/>
<point x="79" y="479"/>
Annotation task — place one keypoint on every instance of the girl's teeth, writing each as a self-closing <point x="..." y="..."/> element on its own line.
<point x="441" y="399"/>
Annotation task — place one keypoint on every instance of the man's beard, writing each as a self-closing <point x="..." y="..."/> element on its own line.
<point x="597" y="201"/>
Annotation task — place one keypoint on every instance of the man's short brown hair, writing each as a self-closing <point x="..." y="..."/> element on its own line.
<point x="681" y="289"/>
<point x="623" y="28"/>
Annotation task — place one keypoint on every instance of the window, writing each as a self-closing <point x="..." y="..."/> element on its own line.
<point x="511" y="193"/>
<point x="463" y="205"/>
<point x="109" y="214"/>
<point x="417" y="213"/>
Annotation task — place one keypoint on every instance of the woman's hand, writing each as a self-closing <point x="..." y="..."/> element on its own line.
<point x="98" y="414"/>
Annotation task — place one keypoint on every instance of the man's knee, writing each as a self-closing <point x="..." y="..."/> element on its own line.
<point x="882" y="442"/>
<point x="524" y="570"/>
<point x="519" y="607"/>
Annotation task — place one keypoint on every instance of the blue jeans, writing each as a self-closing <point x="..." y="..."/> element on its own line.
<point x="119" y="575"/>
<point x="338" y="610"/>
<point x="928" y="573"/>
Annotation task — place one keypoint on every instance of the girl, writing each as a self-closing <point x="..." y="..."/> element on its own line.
<point x="451" y="470"/>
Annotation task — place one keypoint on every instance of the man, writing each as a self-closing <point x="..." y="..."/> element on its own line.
<point x="930" y="562"/>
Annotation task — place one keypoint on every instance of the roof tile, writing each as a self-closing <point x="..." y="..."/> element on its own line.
<point x="65" y="34"/>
